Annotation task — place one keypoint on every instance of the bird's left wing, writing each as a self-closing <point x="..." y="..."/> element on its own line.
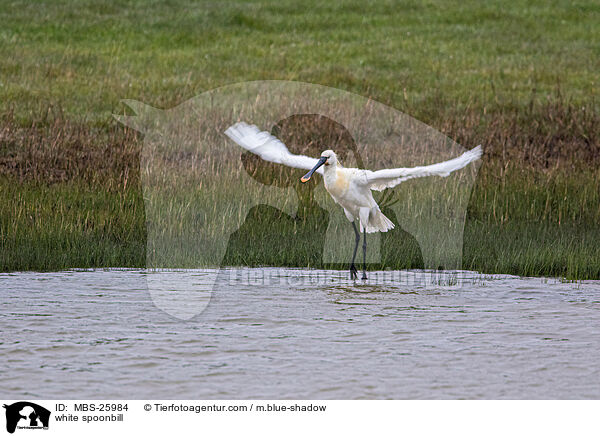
<point x="382" y="179"/>
<point x="268" y="147"/>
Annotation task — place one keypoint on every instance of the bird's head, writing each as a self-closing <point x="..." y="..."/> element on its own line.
<point x="328" y="157"/>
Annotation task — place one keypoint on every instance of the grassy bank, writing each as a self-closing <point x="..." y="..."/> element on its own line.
<point x="86" y="56"/>
<point x="70" y="225"/>
<point x="68" y="202"/>
<point x="520" y="79"/>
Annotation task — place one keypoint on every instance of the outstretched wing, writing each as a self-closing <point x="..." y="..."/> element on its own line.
<point x="382" y="179"/>
<point x="268" y="147"/>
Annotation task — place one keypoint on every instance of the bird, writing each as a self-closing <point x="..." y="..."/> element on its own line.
<point x="351" y="188"/>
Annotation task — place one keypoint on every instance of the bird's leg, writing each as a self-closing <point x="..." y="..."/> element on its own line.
<point x="353" y="272"/>
<point x="364" y="277"/>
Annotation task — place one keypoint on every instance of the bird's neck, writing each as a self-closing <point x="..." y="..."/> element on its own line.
<point x="330" y="173"/>
<point x="332" y="167"/>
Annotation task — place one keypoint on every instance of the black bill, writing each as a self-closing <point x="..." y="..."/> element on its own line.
<point x="305" y="178"/>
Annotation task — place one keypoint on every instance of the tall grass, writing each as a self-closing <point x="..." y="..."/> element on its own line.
<point x="520" y="78"/>
<point x="69" y="225"/>
<point x="71" y="197"/>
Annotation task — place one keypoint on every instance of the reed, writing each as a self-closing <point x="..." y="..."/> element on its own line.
<point x="521" y="79"/>
<point x="71" y="197"/>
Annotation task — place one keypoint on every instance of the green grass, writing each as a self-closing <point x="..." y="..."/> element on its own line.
<point x="520" y="77"/>
<point x="535" y="224"/>
<point x="69" y="225"/>
<point x="85" y="56"/>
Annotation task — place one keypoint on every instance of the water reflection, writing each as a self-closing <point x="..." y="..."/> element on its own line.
<point x="98" y="334"/>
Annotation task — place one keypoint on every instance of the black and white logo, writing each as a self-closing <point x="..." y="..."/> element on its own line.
<point x="26" y="415"/>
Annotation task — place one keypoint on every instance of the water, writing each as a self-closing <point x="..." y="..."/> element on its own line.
<point x="97" y="334"/>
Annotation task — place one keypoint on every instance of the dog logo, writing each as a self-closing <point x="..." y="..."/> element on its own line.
<point x="26" y="415"/>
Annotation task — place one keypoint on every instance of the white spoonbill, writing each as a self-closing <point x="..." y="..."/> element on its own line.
<point x="349" y="187"/>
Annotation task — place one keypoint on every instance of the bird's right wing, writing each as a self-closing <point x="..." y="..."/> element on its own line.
<point x="382" y="179"/>
<point x="268" y="147"/>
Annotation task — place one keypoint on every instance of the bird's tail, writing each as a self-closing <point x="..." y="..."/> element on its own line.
<point x="373" y="220"/>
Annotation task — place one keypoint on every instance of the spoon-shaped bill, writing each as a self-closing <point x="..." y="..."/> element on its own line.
<point x="305" y="178"/>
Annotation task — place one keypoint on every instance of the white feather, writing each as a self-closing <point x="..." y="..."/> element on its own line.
<point x="268" y="147"/>
<point x="382" y="179"/>
<point x="349" y="187"/>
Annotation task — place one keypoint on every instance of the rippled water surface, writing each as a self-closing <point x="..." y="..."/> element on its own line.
<point x="97" y="334"/>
